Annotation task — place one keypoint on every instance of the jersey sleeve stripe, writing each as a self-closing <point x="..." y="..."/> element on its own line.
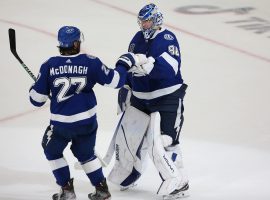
<point x="169" y="59"/>
<point x="74" y="118"/>
<point x="37" y="97"/>
<point x="115" y="80"/>
<point x="156" y="93"/>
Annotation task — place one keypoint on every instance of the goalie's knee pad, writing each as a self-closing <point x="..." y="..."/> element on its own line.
<point x="166" y="140"/>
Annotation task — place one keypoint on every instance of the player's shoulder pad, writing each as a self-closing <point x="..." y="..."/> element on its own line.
<point x="50" y="60"/>
<point x="45" y="62"/>
<point x="91" y="56"/>
<point x="138" y="36"/>
<point x="95" y="61"/>
<point x="135" y="40"/>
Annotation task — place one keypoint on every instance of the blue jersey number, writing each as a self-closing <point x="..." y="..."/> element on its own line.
<point x="66" y="84"/>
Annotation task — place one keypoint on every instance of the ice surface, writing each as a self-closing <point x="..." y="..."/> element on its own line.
<point x="226" y="135"/>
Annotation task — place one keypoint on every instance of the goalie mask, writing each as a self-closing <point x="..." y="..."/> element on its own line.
<point x="149" y="14"/>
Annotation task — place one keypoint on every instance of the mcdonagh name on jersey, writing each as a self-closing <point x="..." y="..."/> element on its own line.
<point x="68" y="69"/>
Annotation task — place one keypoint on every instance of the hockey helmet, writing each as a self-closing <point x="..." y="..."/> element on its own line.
<point x="150" y="12"/>
<point x="67" y="35"/>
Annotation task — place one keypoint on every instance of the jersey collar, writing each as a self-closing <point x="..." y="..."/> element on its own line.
<point x="70" y="56"/>
<point x="157" y="32"/>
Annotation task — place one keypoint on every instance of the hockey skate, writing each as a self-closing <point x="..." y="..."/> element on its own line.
<point x="178" y="193"/>
<point x="66" y="192"/>
<point x="101" y="193"/>
<point x="132" y="185"/>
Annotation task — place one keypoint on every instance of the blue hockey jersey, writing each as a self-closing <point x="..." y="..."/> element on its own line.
<point x="165" y="77"/>
<point x="70" y="81"/>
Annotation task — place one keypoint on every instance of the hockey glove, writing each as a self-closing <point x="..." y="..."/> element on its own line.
<point x="144" y="69"/>
<point x="127" y="60"/>
<point x="149" y="65"/>
<point x="140" y="59"/>
<point x="130" y="59"/>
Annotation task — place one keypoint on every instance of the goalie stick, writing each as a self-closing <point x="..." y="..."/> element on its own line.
<point x="78" y="166"/>
<point x="108" y="157"/>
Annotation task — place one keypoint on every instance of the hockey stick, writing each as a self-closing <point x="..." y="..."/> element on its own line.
<point x="12" y="42"/>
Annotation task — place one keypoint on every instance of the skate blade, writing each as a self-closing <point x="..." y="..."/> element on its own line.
<point x="122" y="188"/>
<point x="109" y="198"/>
<point x="55" y="197"/>
<point x="179" y="195"/>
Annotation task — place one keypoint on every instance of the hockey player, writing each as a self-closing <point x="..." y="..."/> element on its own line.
<point x="69" y="79"/>
<point x="154" y="116"/>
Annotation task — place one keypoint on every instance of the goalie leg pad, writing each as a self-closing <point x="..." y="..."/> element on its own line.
<point x="123" y="175"/>
<point x="128" y="143"/>
<point x="157" y="153"/>
<point x="174" y="151"/>
<point x="162" y="161"/>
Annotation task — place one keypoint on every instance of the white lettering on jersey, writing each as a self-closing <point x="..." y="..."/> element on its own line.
<point x="173" y="50"/>
<point x="68" y="69"/>
<point x="66" y="83"/>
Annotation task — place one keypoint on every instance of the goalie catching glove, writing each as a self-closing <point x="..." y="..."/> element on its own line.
<point x="129" y="60"/>
<point x="143" y="69"/>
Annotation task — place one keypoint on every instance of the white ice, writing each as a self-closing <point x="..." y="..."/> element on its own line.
<point x="226" y="134"/>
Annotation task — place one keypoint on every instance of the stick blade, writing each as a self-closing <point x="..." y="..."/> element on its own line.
<point x="12" y="39"/>
<point x="12" y="42"/>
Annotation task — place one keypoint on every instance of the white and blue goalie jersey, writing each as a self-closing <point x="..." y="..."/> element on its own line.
<point x="70" y="81"/>
<point x="165" y="77"/>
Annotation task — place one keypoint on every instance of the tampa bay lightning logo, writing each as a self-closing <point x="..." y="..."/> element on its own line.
<point x="131" y="48"/>
<point x="168" y="37"/>
<point x="69" y="30"/>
